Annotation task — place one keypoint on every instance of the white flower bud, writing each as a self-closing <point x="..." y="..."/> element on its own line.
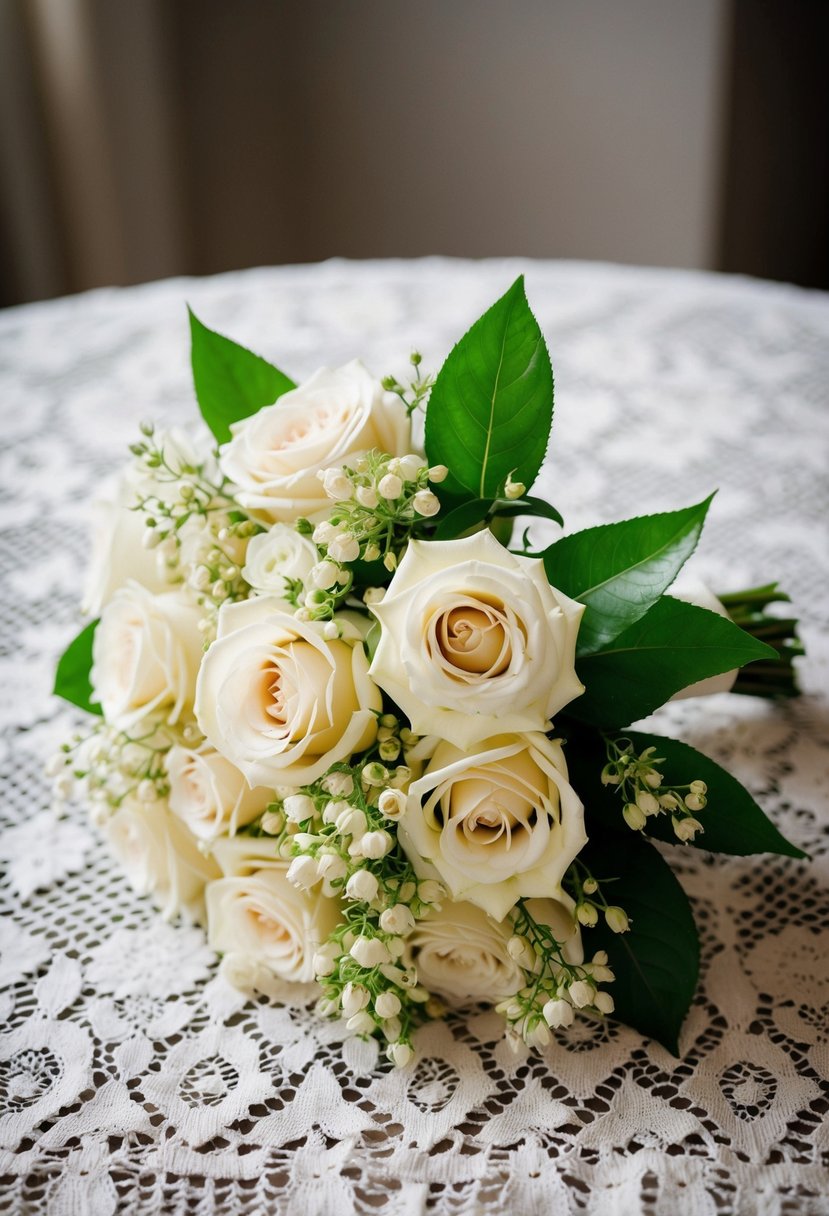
<point x="361" y="1023"/>
<point x="426" y="503"/>
<point x="351" y="822"/>
<point x="325" y="532"/>
<point x="390" y="561"/>
<point x="387" y="1005"/>
<point x="587" y="914"/>
<point x="400" y="1054"/>
<point x="581" y="993"/>
<point x="590" y="886"/>
<point x="617" y="919"/>
<point x="354" y="998"/>
<point x="389" y="749"/>
<point x="147" y="791"/>
<point x="332" y="810"/>
<point x="699" y="787"/>
<point x="325" y="959"/>
<point x="397" y="920"/>
<point x="429" y="891"/>
<point x="374" y="595"/>
<point x="695" y="802"/>
<point x="653" y="778"/>
<point x="369" y="952"/>
<point x="407" y="892"/>
<point x="634" y="816"/>
<point x="686" y="829"/>
<point x="367" y="497"/>
<point x="392" y="1028"/>
<point x="409" y="466"/>
<point x="514" y="489"/>
<point x="521" y="951"/>
<point x="438" y="473"/>
<point x="647" y="802"/>
<point x="376" y="844"/>
<point x="331" y="867"/>
<point x="558" y="1013"/>
<point x="396" y="947"/>
<point x="392" y="804"/>
<point x="345" y="548"/>
<point x="324" y="575"/>
<point x="298" y="807"/>
<point x="338" y="785"/>
<point x="336" y="484"/>
<point x="390" y="486"/>
<point x="537" y="1035"/>
<point x="362" y="885"/>
<point x="303" y="872"/>
<point x="604" y="1002"/>
<point x="375" y="774"/>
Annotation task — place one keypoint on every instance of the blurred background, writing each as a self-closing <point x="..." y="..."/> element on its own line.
<point x="146" y="138"/>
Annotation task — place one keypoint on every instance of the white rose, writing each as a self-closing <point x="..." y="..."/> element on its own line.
<point x="145" y="655"/>
<point x="209" y="794"/>
<point x="692" y="590"/>
<point x="461" y="954"/>
<point x="277" y="555"/>
<point x="266" y="921"/>
<point x="118" y="553"/>
<point x="274" y="455"/>
<point x="497" y="824"/>
<point x="243" y="856"/>
<point x="281" y="700"/>
<point x="475" y="641"/>
<point x="160" y="857"/>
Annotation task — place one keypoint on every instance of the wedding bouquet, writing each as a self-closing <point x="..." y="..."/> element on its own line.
<point x="375" y="743"/>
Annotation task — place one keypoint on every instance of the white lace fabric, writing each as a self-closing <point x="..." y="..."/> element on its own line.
<point x="133" y="1079"/>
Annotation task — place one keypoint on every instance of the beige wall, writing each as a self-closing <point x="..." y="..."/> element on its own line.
<point x="199" y="135"/>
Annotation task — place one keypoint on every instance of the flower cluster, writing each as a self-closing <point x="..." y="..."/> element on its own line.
<point x="344" y="744"/>
<point x="642" y="787"/>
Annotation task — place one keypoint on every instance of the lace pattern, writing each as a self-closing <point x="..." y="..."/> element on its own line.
<point x="134" y="1078"/>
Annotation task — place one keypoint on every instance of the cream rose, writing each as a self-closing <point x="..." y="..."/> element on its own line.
<point x="274" y="455"/>
<point x="261" y="919"/>
<point x="209" y="794"/>
<point x="474" y="641"/>
<point x="497" y="823"/>
<point x="276" y="556"/>
<point x="160" y="857"/>
<point x="145" y="655"/>
<point x="282" y="701"/>
<point x="461" y="954"/>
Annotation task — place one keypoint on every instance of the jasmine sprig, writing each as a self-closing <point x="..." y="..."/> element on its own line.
<point x="644" y="792"/>
<point x="419" y="386"/>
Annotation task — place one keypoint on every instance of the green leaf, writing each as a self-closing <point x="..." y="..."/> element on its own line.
<point x="673" y="645"/>
<point x="732" y="820"/>
<point x="619" y="570"/>
<point x="231" y="382"/>
<point x="656" y="962"/>
<point x="491" y="407"/>
<point x="469" y="514"/>
<point x="72" y="674"/>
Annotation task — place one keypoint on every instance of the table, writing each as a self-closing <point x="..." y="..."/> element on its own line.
<point x="134" y="1079"/>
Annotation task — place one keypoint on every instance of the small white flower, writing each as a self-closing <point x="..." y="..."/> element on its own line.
<point x="351" y="822"/>
<point x="362" y="885"/>
<point x="695" y="802"/>
<point x="331" y="866"/>
<point x="558" y="1013"/>
<point x="537" y="1035"/>
<point x="581" y="993"/>
<point x="617" y="919"/>
<point x="438" y="473"/>
<point x="369" y="952"/>
<point x="324" y="575"/>
<point x="367" y="497"/>
<point x="514" y="489"/>
<point x="325" y="532"/>
<point x="272" y="823"/>
<point x="400" y="1054"/>
<point x="588" y="914"/>
<point x="409" y="466"/>
<point x="339" y="785"/>
<point x="387" y="1005"/>
<point x="647" y="803"/>
<point x="336" y="484"/>
<point x="604" y="1002"/>
<point x="634" y="816"/>
<point x="361" y="1023"/>
<point x="298" y="807"/>
<point x="392" y="804"/>
<point x="345" y="548"/>
<point x="429" y="891"/>
<point x="397" y="920"/>
<point x="686" y="829"/>
<point x="373" y="595"/>
<point x="332" y="810"/>
<point x="390" y="486"/>
<point x="426" y="503"/>
<point x="355" y="997"/>
<point x="375" y="844"/>
<point x="325" y="959"/>
<point x="303" y="872"/>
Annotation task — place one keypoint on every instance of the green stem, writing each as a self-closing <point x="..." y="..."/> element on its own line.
<point x="769" y="677"/>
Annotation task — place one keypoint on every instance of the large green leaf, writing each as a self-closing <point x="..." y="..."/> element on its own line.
<point x="72" y="675"/>
<point x="656" y="962"/>
<point x="491" y="407"/>
<point x="732" y="820"/>
<point x="673" y="645"/>
<point x="619" y="570"/>
<point x="231" y="382"/>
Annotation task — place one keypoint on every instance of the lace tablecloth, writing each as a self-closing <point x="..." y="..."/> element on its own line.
<point x="133" y="1079"/>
